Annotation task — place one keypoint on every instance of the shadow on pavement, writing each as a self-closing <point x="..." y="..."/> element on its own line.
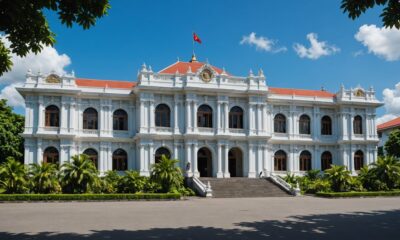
<point x="357" y="225"/>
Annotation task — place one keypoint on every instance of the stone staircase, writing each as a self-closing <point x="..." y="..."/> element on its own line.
<point x="239" y="187"/>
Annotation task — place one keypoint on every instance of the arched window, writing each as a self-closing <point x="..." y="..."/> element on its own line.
<point x="120" y="120"/>
<point x="358" y="160"/>
<point x="280" y="161"/>
<point x="326" y="125"/>
<point x="161" y="151"/>
<point x="236" y="117"/>
<point x="305" y="161"/>
<point x="163" y="116"/>
<point x="304" y="124"/>
<point x="50" y="155"/>
<point x="326" y="160"/>
<point x="204" y="116"/>
<point x="90" y="119"/>
<point x="52" y="116"/>
<point x="280" y="123"/>
<point x="357" y="125"/>
<point x="92" y="154"/>
<point x="120" y="160"/>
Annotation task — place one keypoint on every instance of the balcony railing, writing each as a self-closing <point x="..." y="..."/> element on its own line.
<point x="205" y="130"/>
<point x="237" y="130"/>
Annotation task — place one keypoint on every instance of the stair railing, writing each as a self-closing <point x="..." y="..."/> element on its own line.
<point x="203" y="189"/>
<point x="286" y="186"/>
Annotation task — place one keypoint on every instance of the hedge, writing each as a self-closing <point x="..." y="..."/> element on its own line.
<point x="358" y="194"/>
<point x="88" y="197"/>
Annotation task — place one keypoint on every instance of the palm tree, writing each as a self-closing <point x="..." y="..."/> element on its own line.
<point x="79" y="174"/>
<point x="313" y="174"/>
<point x="387" y="169"/>
<point x="44" y="178"/>
<point x="13" y="177"/>
<point x="339" y="177"/>
<point x="167" y="174"/>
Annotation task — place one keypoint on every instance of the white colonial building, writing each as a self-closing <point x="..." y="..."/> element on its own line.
<point x="216" y="124"/>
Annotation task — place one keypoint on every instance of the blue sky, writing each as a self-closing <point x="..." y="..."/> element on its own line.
<point x="158" y="31"/>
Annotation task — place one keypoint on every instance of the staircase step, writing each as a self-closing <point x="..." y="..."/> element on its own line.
<point x="244" y="187"/>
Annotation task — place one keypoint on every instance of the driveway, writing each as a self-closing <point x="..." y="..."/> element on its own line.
<point x="242" y="218"/>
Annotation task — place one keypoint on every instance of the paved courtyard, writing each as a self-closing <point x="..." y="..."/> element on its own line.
<point x="256" y="218"/>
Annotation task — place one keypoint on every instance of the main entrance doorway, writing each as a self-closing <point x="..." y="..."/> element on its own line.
<point x="235" y="158"/>
<point x="204" y="162"/>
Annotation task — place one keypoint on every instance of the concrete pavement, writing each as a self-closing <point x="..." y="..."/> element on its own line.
<point x="241" y="218"/>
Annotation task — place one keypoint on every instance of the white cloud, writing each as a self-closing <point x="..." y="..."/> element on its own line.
<point x="14" y="99"/>
<point x="383" y="42"/>
<point x="46" y="61"/>
<point x="262" y="43"/>
<point x="358" y="53"/>
<point x="391" y="98"/>
<point x="316" y="50"/>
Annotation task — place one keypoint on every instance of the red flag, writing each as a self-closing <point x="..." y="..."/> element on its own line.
<point x="196" y="38"/>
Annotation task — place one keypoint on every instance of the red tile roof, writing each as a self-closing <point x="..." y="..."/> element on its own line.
<point x="82" y="82"/>
<point x="301" y="92"/>
<point x="390" y="124"/>
<point x="183" y="67"/>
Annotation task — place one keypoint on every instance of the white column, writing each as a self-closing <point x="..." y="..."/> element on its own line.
<point x="226" y="162"/>
<point x="226" y="127"/>
<point x="265" y="159"/>
<point x="151" y="156"/>
<point x="194" y="116"/>
<point x="219" y="162"/>
<point x="142" y="123"/>
<point x="194" y="157"/>
<point x="151" y="117"/>
<point x="188" y="159"/>
<point x="259" y="159"/>
<point x="39" y="152"/>
<point x="71" y="126"/>
<point x="251" y="118"/>
<point x="40" y="114"/>
<point x="141" y="159"/>
<point x="188" y="120"/>
<point x="258" y="117"/>
<point x="252" y="171"/>
<point x="176" y="117"/>
<point x="218" y="117"/>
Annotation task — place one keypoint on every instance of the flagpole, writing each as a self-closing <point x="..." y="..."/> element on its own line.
<point x="193" y="43"/>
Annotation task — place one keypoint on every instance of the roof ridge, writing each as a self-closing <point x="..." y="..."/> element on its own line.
<point x="169" y="66"/>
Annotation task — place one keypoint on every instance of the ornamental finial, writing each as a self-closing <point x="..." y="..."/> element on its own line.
<point x="193" y="59"/>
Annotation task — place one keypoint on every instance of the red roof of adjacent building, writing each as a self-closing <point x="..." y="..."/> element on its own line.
<point x="82" y="82"/>
<point x="301" y="92"/>
<point x="390" y="124"/>
<point x="183" y="67"/>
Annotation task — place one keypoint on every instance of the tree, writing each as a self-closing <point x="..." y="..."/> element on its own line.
<point x="24" y="23"/>
<point x="339" y="177"/>
<point x="78" y="175"/>
<point x="390" y="14"/>
<point x="387" y="170"/>
<point x="13" y="178"/>
<point x="43" y="178"/>
<point x="11" y="126"/>
<point x="392" y="145"/>
<point x="167" y="174"/>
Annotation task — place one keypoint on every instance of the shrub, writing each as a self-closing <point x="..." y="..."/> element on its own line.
<point x="167" y="174"/>
<point x="132" y="182"/>
<point x="43" y="178"/>
<point x="338" y="177"/>
<point x="318" y="185"/>
<point x="358" y="194"/>
<point x="13" y="177"/>
<point x="313" y="174"/>
<point x="88" y="197"/>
